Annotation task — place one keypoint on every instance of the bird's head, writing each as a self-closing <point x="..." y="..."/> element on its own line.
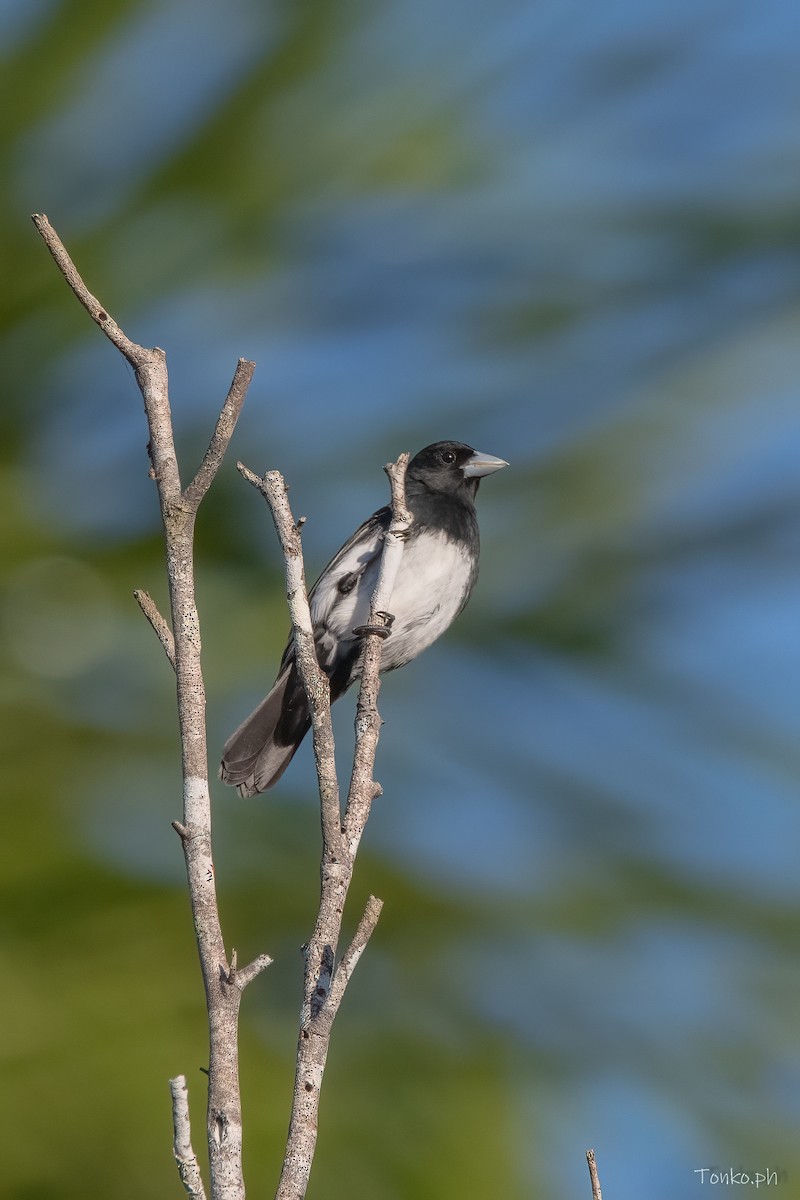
<point x="451" y="468"/>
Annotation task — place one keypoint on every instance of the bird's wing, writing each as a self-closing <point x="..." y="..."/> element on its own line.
<point x="348" y="565"/>
<point x="343" y="573"/>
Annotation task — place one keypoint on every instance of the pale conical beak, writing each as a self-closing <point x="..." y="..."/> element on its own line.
<point x="482" y="464"/>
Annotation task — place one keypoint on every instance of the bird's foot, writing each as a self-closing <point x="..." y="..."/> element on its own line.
<point x="382" y="631"/>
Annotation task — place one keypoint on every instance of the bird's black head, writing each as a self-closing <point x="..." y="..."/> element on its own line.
<point x="451" y="468"/>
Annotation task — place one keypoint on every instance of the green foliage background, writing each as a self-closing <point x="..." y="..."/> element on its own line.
<point x="568" y="236"/>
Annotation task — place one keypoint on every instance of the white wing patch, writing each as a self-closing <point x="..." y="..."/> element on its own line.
<point x="348" y="562"/>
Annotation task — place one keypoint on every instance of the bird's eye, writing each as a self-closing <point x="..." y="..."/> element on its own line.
<point x="448" y="457"/>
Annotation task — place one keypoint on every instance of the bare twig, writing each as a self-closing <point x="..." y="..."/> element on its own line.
<point x="596" y="1193"/>
<point x="178" y="512"/>
<point x="368" y="723"/>
<point x="134" y="354"/>
<point x="149" y="367"/>
<point x="347" y="964"/>
<point x="273" y="488"/>
<point x="226" y="423"/>
<point x="160" y="627"/>
<point x="185" y="1156"/>
<point x="241" y="976"/>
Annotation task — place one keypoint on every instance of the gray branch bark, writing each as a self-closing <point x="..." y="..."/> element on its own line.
<point x="223" y="983"/>
<point x="185" y="1157"/>
<point x="593" y="1176"/>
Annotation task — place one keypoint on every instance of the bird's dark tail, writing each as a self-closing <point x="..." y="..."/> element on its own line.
<point x="259" y="751"/>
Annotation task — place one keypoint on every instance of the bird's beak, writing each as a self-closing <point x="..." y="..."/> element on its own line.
<point x="482" y="464"/>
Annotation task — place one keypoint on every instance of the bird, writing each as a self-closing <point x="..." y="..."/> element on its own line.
<point x="436" y="576"/>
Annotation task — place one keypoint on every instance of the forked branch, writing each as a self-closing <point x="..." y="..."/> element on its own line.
<point x="326" y="978"/>
<point x="223" y="985"/>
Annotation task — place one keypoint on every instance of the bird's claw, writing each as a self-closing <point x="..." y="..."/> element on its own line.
<point x="382" y="631"/>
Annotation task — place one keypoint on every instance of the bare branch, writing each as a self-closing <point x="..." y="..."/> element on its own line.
<point x="94" y="308"/>
<point x="324" y="986"/>
<point x="349" y="960"/>
<point x="596" y="1193"/>
<point x="160" y="627"/>
<point x="149" y="365"/>
<point x="273" y="488"/>
<point x="223" y="432"/>
<point x="185" y="1156"/>
<point x="178" y="513"/>
<point x="240" y="977"/>
<point x="368" y="723"/>
<point x="140" y="358"/>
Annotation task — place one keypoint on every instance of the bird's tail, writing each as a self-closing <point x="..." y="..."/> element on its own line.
<point x="259" y="751"/>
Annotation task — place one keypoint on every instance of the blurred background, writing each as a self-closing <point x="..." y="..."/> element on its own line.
<point x="568" y="235"/>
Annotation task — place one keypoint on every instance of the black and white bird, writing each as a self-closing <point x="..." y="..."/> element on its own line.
<point x="437" y="573"/>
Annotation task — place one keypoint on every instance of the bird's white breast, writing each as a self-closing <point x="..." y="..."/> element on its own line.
<point x="431" y="585"/>
<point x="430" y="590"/>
